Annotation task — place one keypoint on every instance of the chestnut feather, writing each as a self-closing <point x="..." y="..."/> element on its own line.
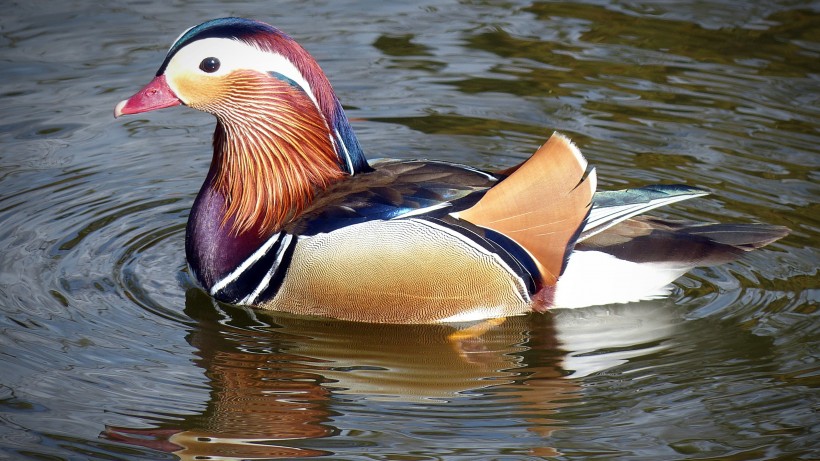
<point x="272" y="152"/>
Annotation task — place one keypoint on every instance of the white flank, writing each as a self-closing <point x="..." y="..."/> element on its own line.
<point x="594" y="278"/>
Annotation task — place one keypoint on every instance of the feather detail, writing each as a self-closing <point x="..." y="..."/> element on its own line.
<point x="273" y="152"/>
<point x="645" y="239"/>
<point x="638" y="258"/>
<point x="344" y="140"/>
<point x="611" y="207"/>
<point x="542" y="205"/>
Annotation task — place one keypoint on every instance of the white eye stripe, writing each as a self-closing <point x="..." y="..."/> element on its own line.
<point x="233" y="55"/>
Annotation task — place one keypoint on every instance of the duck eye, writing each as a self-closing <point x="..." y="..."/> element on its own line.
<point x="209" y="65"/>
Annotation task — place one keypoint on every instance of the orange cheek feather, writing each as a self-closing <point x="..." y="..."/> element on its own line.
<point x="200" y="92"/>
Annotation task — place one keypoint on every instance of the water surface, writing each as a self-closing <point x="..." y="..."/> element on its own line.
<point x="109" y="351"/>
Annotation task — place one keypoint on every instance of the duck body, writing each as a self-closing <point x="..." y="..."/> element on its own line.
<point x="292" y="217"/>
<point x="377" y="241"/>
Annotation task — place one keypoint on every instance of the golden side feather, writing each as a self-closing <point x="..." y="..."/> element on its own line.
<point x="541" y="205"/>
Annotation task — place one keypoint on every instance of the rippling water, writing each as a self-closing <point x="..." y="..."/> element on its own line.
<point x="109" y="351"/>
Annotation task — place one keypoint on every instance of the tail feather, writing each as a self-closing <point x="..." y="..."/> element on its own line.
<point x="638" y="258"/>
<point x="746" y="237"/>
<point x="647" y="239"/>
<point x="542" y="205"/>
<point x="611" y="207"/>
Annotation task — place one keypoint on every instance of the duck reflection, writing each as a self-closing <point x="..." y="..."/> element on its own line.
<point x="274" y="378"/>
<point x="261" y="395"/>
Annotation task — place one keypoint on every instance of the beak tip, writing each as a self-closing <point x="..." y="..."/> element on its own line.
<point x="118" y="109"/>
<point x="155" y="95"/>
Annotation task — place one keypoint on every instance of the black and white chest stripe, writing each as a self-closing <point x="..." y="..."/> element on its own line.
<point x="260" y="276"/>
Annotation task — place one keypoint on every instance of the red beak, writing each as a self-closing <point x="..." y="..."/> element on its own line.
<point x="155" y="95"/>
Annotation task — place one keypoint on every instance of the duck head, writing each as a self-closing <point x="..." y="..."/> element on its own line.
<point x="281" y="133"/>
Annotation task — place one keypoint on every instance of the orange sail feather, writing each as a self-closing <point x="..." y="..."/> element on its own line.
<point x="542" y="205"/>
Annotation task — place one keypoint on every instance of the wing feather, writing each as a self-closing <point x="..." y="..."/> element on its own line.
<point x="541" y="205"/>
<point x="612" y="207"/>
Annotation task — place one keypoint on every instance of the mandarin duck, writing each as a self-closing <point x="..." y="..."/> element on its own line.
<point x="292" y="216"/>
